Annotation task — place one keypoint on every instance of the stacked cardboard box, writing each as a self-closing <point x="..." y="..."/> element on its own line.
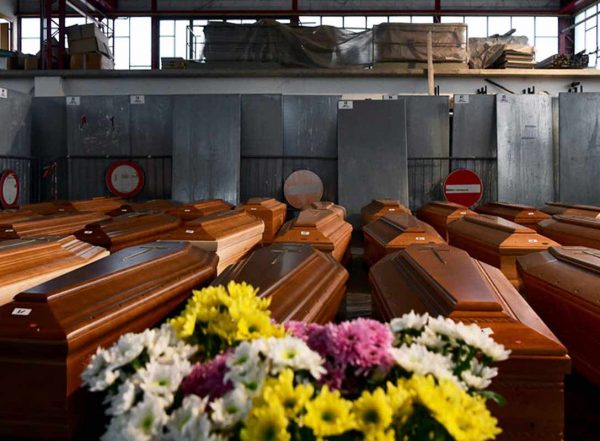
<point x="5" y="43"/>
<point x="89" y="48"/>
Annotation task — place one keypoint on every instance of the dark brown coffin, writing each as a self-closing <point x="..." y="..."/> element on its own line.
<point x="271" y="211"/>
<point x="440" y="279"/>
<point x="392" y="232"/>
<point x="43" y="353"/>
<point x="497" y="241"/>
<point x="61" y="224"/>
<point x="572" y="230"/>
<point x="188" y="212"/>
<point x="327" y="205"/>
<point x="519" y="214"/>
<point x="51" y="207"/>
<point x="303" y="283"/>
<point x="323" y="229"/>
<point x="231" y="234"/>
<point x="379" y="207"/>
<point x="553" y="208"/>
<point x="128" y="230"/>
<point x="101" y="204"/>
<point x="562" y="284"/>
<point x="25" y="263"/>
<point x="10" y="216"/>
<point x="439" y="214"/>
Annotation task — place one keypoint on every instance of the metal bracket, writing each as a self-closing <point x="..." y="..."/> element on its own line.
<point x="482" y="90"/>
<point x="575" y="87"/>
<point x="529" y="90"/>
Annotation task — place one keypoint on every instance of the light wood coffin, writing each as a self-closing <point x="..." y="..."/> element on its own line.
<point x="572" y="230"/>
<point x="48" y="333"/>
<point x="102" y="204"/>
<point x="188" y="212"/>
<point x="323" y="229"/>
<point x="563" y="285"/>
<point x="393" y="232"/>
<point x="61" y="224"/>
<point x="231" y="234"/>
<point x="519" y="214"/>
<point x="439" y="214"/>
<point x="25" y="263"/>
<point x="379" y="207"/>
<point x="271" y="211"/>
<point x="158" y="205"/>
<point x="128" y="230"/>
<point x="443" y="280"/>
<point x="10" y="216"/>
<point x="51" y="207"/>
<point x="303" y="283"/>
<point x="497" y="241"/>
<point x="327" y="205"/>
<point x="553" y="208"/>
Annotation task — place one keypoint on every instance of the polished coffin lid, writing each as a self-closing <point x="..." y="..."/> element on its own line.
<point x="328" y="205"/>
<point x="101" y="204"/>
<point x="270" y="210"/>
<point x="50" y="225"/>
<point x="572" y="230"/>
<point x="160" y="205"/>
<point x="401" y="230"/>
<point x="303" y="283"/>
<point x="322" y="229"/>
<point x="51" y="207"/>
<point x="25" y="263"/>
<point x="9" y="216"/>
<point x="521" y="214"/>
<point x="571" y="209"/>
<point x="48" y="333"/>
<point x="440" y="213"/>
<point x="379" y="207"/>
<point x="198" y="209"/>
<point x="128" y="229"/>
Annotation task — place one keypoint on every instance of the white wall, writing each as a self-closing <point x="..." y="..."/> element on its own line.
<point x="8" y="8"/>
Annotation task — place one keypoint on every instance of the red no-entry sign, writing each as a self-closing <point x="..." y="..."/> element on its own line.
<point x="463" y="187"/>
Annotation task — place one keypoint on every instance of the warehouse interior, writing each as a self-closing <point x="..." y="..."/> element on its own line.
<point x="383" y="129"/>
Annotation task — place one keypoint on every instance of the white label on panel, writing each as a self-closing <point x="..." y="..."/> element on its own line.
<point x="304" y="233"/>
<point x="73" y="101"/>
<point x="3" y="93"/>
<point x="461" y="99"/>
<point x="137" y="99"/>
<point x="503" y="98"/>
<point x="21" y="311"/>
<point x="345" y="105"/>
<point x="390" y="97"/>
<point x="466" y="188"/>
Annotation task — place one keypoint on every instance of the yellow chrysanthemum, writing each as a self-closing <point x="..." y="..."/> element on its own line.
<point x="329" y="414"/>
<point x="388" y="435"/>
<point x="282" y="390"/>
<point x="266" y="424"/>
<point x="465" y="417"/>
<point x="400" y="399"/>
<point x="372" y="411"/>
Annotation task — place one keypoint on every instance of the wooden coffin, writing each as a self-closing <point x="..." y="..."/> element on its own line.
<point x="393" y="232"/>
<point x="496" y="241"/>
<point x="327" y="205"/>
<point x="519" y="214"/>
<point x="155" y="205"/>
<point x="188" y="212"/>
<point x="25" y="263"/>
<point x="230" y="234"/>
<point x="303" y="283"/>
<point x="439" y="279"/>
<point x="10" y="216"/>
<point x="322" y="229"/>
<point x="48" y="333"/>
<point x="101" y="204"/>
<point x="51" y="207"/>
<point x="379" y="207"/>
<point x="128" y="230"/>
<point x="271" y="211"/>
<point x="61" y="224"/>
<point x="562" y="284"/>
<point x="572" y="230"/>
<point x="553" y="208"/>
<point x="439" y="214"/>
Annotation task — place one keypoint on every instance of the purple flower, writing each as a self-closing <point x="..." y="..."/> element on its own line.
<point x="365" y="343"/>
<point x="208" y="379"/>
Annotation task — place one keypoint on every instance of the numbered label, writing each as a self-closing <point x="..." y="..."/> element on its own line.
<point x="21" y="311"/>
<point x="73" y="101"/>
<point x="390" y="97"/>
<point x="461" y="99"/>
<point x="3" y="93"/>
<point x="304" y="233"/>
<point x="137" y="99"/>
<point x="346" y="105"/>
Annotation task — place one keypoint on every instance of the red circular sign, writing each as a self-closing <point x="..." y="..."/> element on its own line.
<point x="9" y="189"/>
<point x="125" y="178"/>
<point x="463" y="187"/>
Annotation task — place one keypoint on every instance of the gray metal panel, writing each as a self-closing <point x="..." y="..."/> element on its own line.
<point x="49" y="127"/>
<point x="326" y="169"/>
<point x="152" y="126"/>
<point x="474" y="126"/>
<point x="99" y="126"/>
<point x="372" y="150"/>
<point x="525" y="157"/>
<point x="579" y="147"/>
<point x="425" y="177"/>
<point x="428" y="126"/>
<point x="206" y="147"/>
<point x="262" y="125"/>
<point x="310" y="125"/>
<point x="261" y="178"/>
<point x="15" y="120"/>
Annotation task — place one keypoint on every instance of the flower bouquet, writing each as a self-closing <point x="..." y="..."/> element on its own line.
<point x="222" y="370"/>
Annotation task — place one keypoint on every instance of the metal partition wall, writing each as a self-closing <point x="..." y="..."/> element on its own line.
<point x="26" y="170"/>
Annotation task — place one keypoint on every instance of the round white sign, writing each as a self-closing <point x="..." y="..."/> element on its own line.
<point x="125" y="178"/>
<point x="10" y="189"/>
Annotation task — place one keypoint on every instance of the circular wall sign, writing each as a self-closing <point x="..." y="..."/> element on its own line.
<point x="125" y="178"/>
<point x="302" y="188"/>
<point x="9" y="189"/>
<point x="463" y="187"/>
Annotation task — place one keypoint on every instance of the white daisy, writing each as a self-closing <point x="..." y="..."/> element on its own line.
<point x="418" y="360"/>
<point x="99" y="362"/>
<point x="231" y="408"/>
<point x="409" y="321"/>
<point x="145" y="421"/>
<point x="190" y="422"/>
<point x="122" y="401"/>
<point x="294" y="353"/>
<point x="163" y="379"/>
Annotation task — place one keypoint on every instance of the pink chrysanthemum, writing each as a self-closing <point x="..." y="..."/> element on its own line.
<point x="207" y="380"/>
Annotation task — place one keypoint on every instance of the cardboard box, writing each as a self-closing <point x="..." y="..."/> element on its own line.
<point x="80" y="32"/>
<point x="31" y="62"/>
<point x="88" y="45"/>
<point x="91" y="61"/>
<point x="5" y="42"/>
